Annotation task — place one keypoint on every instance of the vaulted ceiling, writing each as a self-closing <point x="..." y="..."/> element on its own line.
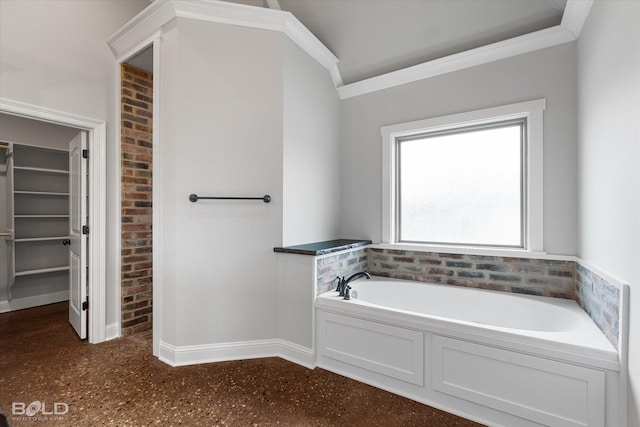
<point x="374" y="37"/>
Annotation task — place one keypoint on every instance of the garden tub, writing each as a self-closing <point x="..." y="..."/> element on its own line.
<point x="496" y="357"/>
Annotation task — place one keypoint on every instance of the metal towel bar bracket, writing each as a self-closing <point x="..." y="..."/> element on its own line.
<point x="194" y="198"/>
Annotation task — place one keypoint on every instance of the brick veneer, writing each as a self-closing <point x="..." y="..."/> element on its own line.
<point x="554" y="278"/>
<point x="339" y="264"/>
<point x="547" y="277"/>
<point x="601" y="300"/>
<point x="136" y="174"/>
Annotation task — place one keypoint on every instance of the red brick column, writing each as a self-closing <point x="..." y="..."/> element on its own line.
<point x="136" y="213"/>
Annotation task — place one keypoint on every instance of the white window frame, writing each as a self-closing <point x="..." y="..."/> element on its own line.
<point x="533" y="210"/>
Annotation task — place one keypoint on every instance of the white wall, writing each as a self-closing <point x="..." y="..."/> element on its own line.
<point x="244" y="112"/>
<point x="311" y="185"/>
<point x="609" y="157"/>
<point x="548" y="73"/>
<point x="221" y="135"/>
<point x="54" y="54"/>
<point x="35" y="132"/>
<point x="296" y="293"/>
<point x="311" y="175"/>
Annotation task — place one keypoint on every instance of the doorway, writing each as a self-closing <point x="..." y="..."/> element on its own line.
<point x="95" y="183"/>
<point x="43" y="184"/>
<point x="146" y="57"/>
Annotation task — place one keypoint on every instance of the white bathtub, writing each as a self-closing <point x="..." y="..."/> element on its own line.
<point x="496" y="357"/>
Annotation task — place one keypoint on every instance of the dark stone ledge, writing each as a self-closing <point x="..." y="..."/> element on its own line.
<point x="322" y="248"/>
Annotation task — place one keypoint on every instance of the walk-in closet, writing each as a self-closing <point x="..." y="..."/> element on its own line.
<point x="34" y="218"/>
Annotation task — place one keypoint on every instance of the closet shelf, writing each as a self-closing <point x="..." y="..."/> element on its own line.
<point x="41" y="170"/>
<point x="41" y="271"/>
<point x="41" y="193"/>
<point x="40" y="239"/>
<point x="41" y="216"/>
<point x="38" y="212"/>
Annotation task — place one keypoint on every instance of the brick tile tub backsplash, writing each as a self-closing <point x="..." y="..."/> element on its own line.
<point x="340" y="264"/>
<point x="601" y="300"/>
<point x="553" y="278"/>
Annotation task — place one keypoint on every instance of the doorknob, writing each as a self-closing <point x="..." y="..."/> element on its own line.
<point x="66" y="242"/>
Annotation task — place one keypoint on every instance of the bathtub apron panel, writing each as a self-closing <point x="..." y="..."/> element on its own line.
<point x="546" y="391"/>
<point x="562" y="373"/>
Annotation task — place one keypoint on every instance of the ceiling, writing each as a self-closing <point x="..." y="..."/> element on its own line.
<point x="375" y="37"/>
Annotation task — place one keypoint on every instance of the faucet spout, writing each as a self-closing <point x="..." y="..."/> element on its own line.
<point x="357" y="276"/>
<point x="343" y="284"/>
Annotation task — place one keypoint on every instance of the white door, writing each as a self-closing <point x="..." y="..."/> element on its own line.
<point x="78" y="239"/>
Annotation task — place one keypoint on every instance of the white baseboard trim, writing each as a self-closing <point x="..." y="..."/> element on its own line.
<point x="297" y="354"/>
<point x="4" y="306"/>
<point x="112" y="331"/>
<point x="207" y="353"/>
<point x="34" y="301"/>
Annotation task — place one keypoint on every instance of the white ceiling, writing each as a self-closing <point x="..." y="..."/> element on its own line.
<point x="375" y="37"/>
<point x="143" y="59"/>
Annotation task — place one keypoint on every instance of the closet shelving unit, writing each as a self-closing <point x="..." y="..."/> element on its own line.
<point x="39" y="183"/>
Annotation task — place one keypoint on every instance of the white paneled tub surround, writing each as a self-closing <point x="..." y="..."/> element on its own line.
<point x="498" y="358"/>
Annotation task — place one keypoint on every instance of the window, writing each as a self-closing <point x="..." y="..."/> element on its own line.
<point x="467" y="180"/>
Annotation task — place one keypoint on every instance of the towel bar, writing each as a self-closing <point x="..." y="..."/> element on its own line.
<point x="194" y="198"/>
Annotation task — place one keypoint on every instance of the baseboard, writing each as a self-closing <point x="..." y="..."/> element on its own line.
<point x="34" y="301"/>
<point x="297" y="354"/>
<point x="112" y="331"/>
<point x="207" y="353"/>
<point x="4" y="306"/>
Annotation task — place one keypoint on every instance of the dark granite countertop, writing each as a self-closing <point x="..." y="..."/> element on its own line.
<point x="322" y="248"/>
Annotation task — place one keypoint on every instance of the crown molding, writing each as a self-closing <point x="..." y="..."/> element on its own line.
<point x="493" y="52"/>
<point x="273" y="4"/>
<point x="141" y="27"/>
<point x="575" y="14"/>
<point x="151" y="19"/>
<point x="127" y="40"/>
<point x="335" y="75"/>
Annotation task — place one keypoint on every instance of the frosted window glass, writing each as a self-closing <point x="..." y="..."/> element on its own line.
<point x="462" y="188"/>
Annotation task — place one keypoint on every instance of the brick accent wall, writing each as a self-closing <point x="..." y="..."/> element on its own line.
<point x="601" y="300"/>
<point x="136" y="214"/>
<point x="338" y="264"/>
<point x="546" y="277"/>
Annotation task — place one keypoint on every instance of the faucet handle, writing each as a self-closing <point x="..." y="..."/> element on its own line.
<point x="347" y="293"/>
<point x="341" y="286"/>
<point x="339" y="283"/>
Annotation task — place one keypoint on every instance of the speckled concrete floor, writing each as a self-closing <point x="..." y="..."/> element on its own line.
<point x="120" y="383"/>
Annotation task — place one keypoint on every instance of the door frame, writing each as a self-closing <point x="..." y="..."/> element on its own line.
<point x="97" y="189"/>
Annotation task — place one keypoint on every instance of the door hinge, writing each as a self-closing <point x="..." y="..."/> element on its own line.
<point x="85" y="305"/>
<point x="85" y="229"/>
<point x="85" y="154"/>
